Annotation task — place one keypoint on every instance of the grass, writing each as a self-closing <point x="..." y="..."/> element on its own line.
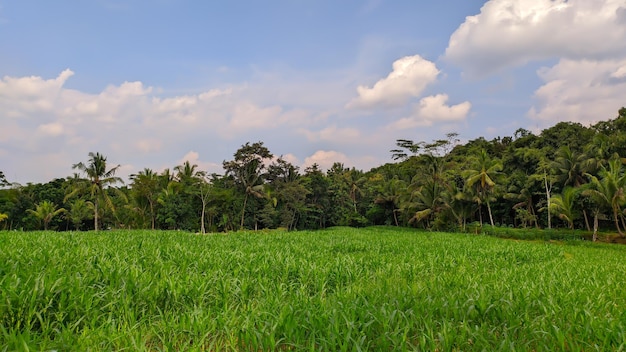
<point x="339" y="289"/>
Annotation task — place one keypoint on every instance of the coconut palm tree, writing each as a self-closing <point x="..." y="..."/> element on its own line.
<point x="609" y="191"/>
<point x="389" y="195"/>
<point x="99" y="178"/>
<point x="425" y="202"/>
<point x="570" y="169"/>
<point x="564" y="205"/>
<point x="80" y="210"/>
<point x="146" y="188"/>
<point x="482" y="175"/>
<point x="45" y="211"/>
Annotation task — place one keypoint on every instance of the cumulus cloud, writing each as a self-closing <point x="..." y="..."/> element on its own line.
<point x="511" y="32"/>
<point x="433" y="109"/>
<point x="290" y="158"/>
<point x="325" y="159"/>
<point x="584" y="91"/>
<point x="21" y="96"/>
<point x="409" y="77"/>
<point x="127" y="121"/>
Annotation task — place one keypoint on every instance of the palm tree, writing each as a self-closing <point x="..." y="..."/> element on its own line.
<point x="523" y="198"/>
<point x="609" y="191"/>
<point x="187" y="173"/>
<point x="146" y="188"/>
<point x="79" y="211"/>
<point x="482" y="175"/>
<point x="571" y="168"/>
<point x="564" y="205"/>
<point x="389" y="195"/>
<point x="355" y="180"/>
<point x="99" y="178"/>
<point x="45" y="211"/>
<point x="425" y="202"/>
<point x="458" y="203"/>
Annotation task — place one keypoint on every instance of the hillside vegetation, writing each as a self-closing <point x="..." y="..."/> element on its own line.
<point x="569" y="176"/>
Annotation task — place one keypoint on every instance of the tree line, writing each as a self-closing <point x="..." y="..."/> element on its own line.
<point x="568" y="176"/>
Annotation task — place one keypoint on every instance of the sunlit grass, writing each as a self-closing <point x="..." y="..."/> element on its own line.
<point x="335" y="290"/>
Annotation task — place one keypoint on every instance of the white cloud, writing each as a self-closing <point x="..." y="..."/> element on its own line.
<point x="325" y="159"/>
<point x="51" y="129"/>
<point x="512" y="32"/>
<point x="128" y="123"/>
<point x="25" y="95"/>
<point x="433" y="109"/>
<point x="584" y="91"/>
<point x="248" y="115"/>
<point x="290" y="158"/>
<point x="333" y="134"/>
<point x="193" y="158"/>
<point x="408" y="79"/>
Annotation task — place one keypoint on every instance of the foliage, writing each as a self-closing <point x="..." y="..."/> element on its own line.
<point x="98" y="179"/>
<point x="45" y="211"/>
<point x="568" y="171"/>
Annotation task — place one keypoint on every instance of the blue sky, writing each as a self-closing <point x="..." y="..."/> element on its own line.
<point x="155" y="83"/>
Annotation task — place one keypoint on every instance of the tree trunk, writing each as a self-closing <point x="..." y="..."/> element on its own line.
<point x="243" y="210"/>
<point x="621" y="218"/>
<point x="95" y="214"/>
<point x="152" y="213"/>
<point x="532" y="212"/>
<point x="490" y="216"/>
<point x="595" y="226"/>
<point x="202" y="228"/>
<point x="545" y="180"/>
<point x="586" y="220"/>
<point x="395" y="217"/>
<point x="615" y="217"/>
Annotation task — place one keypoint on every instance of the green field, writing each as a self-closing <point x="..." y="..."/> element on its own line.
<point x="339" y="289"/>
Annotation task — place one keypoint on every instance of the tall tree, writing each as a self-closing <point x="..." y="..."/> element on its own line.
<point x="570" y="168"/>
<point x="482" y="175"/>
<point x="609" y="191"/>
<point x="389" y="194"/>
<point x="80" y="210"/>
<point x="406" y="148"/>
<point x="248" y="170"/>
<point x="99" y="178"/>
<point x="145" y="189"/>
<point x="204" y="189"/>
<point x="318" y="202"/>
<point x="426" y="202"/>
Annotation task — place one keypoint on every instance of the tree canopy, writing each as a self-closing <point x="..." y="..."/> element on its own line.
<point x="569" y="175"/>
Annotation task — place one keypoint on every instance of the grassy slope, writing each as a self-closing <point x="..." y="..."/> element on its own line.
<point x="338" y="289"/>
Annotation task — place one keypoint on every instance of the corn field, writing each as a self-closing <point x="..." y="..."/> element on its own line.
<point x="339" y="289"/>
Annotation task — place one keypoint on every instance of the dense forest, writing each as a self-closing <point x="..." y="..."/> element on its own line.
<point x="568" y="176"/>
